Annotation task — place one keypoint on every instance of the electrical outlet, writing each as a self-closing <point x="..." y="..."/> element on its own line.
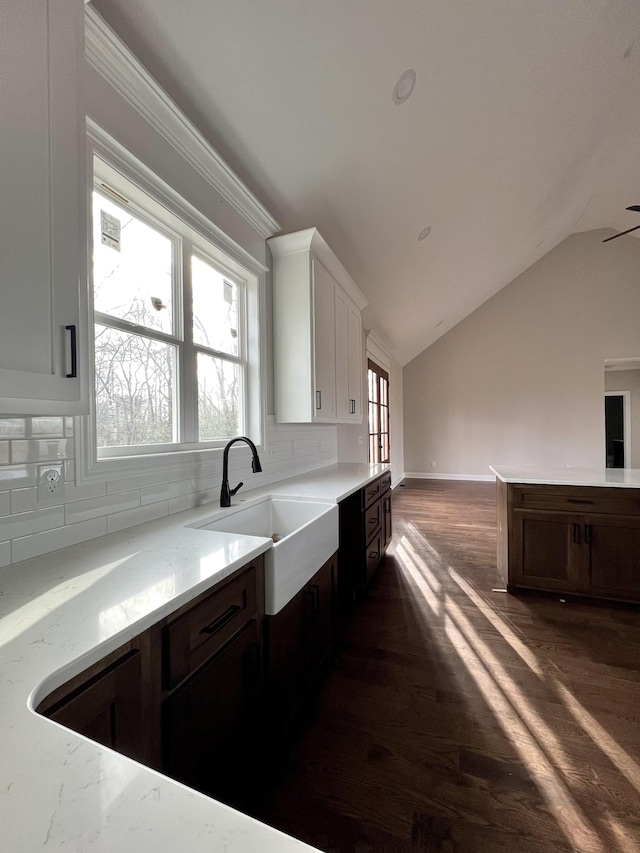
<point x="50" y="483"/>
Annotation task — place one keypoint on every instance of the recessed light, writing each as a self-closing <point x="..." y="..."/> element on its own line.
<point x="424" y="233"/>
<point x="404" y="87"/>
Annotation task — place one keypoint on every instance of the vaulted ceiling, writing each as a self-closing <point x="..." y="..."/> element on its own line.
<point x="523" y="127"/>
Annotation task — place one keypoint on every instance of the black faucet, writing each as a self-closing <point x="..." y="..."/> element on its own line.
<point x="225" y="492"/>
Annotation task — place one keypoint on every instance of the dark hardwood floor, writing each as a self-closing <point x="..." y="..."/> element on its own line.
<point x="456" y="717"/>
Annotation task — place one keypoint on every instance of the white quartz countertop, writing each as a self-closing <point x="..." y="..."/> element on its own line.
<point x="64" y="611"/>
<point x="628" y="478"/>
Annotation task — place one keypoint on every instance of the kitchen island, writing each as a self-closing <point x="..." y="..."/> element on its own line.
<point x="570" y="530"/>
<point x="62" y="613"/>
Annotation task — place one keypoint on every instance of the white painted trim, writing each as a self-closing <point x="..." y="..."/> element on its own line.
<point x="118" y="65"/>
<point x="626" y="396"/>
<point x="310" y="240"/>
<point x="395" y="483"/>
<point x="378" y="351"/>
<point x="418" y="475"/>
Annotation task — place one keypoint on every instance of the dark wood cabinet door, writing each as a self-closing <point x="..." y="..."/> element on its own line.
<point x="286" y="665"/>
<point x="108" y="707"/>
<point x="373" y="555"/>
<point x="547" y="550"/>
<point x="211" y="725"/>
<point x="613" y="566"/>
<point x="319" y="619"/>
<point x="386" y="521"/>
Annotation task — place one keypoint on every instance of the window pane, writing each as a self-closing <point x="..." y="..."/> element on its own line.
<point x="134" y="389"/>
<point x="215" y="308"/>
<point x="373" y="446"/>
<point x="384" y="414"/>
<point x="219" y="398"/>
<point x="132" y="267"/>
<point x="384" y="392"/>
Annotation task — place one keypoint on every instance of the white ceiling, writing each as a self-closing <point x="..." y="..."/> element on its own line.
<point x="524" y="127"/>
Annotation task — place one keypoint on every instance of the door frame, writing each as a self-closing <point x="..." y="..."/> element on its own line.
<point x="626" y="425"/>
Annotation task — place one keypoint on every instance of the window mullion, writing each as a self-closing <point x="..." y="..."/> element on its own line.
<point x="188" y="371"/>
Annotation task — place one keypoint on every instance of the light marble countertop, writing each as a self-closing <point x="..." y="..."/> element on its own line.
<point x="628" y="478"/>
<point x="64" y="611"/>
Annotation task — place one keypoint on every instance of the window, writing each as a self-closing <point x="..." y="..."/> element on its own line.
<point x="176" y="328"/>
<point x="378" y="393"/>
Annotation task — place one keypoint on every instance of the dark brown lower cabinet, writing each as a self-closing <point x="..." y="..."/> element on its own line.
<point x="212" y="723"/>
<point x="187" y="696"/>
<point x="593" y="550"/>
<point x="299" y="640"/>
<point x="365" y="534"/>
<point x="106" y="705"/>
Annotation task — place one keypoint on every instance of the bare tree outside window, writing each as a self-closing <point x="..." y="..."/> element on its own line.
<point x="140" y="341"/>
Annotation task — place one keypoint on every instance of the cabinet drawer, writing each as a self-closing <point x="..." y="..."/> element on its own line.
<point x="372" y="521"/>
<point x="385" y="483"/>
<point x="206" y="626"/>
<point x="371" y="493"/>
<point x="581" y="499"/>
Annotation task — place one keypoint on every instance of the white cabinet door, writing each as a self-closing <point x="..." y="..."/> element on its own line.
<point x="42" y="220"/>
<point x="354" y="334"/>
<point x="324" y="288"/>
<point x="348" y="359"/>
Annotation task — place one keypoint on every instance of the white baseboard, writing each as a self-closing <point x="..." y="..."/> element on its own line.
<point x="418" y="475"/>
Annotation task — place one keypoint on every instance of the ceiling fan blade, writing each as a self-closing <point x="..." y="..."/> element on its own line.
<point x="634" y="207"/>
<point x="621" y="234"/>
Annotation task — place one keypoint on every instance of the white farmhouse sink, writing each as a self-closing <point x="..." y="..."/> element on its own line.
<point x="309" y="536"/>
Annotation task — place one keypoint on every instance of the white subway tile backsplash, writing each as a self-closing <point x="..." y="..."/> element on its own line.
<point x="52" y="427"/>
<point x="142" y="481"/>
<point x="53" y="540"/>
<point x="94" y="507"/>
<point x="41" y="450"/>
<point x="28" y="529"/>
<point x="18" y="476"/>
<point x="23" y="500"/>
<point x="26" y="523"/>
<point x="81" y="493"/>
<point x="189" y="501"/>
<point x="121" y="520"/>
<point x="12" y="427"/>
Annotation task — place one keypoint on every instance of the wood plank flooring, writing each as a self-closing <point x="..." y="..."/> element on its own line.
<point x="460" y="719"/>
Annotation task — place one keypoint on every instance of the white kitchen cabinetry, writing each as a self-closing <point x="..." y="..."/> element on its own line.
<point x="42" y="207"/>
<point x="317" y="332"/>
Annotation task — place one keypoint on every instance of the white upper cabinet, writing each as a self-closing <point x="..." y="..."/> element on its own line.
<point x="317" y="332"/>
<point x="42" y="207"/>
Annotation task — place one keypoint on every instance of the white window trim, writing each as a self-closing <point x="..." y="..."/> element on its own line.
<point x="89" y="467"/>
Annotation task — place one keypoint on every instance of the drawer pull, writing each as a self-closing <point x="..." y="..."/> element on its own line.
<point x="374" y="555"/>
<point x="576" y="533"/>
<point x="373" y="520"/>
<point x="221" y="621"/>
<point x="578" y="501"/>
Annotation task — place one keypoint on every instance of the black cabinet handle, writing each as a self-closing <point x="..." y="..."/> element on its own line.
<point x="577" y="501"/>
<point x="221" y="621"/>
<point x="576" y="533"/>
<point x="587" y="534"/>
<point x="74" y="351"/>
<point x="353" y="406"/>
<point x="374" y="555"/>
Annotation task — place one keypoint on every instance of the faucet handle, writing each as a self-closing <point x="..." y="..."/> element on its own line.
<point x="237" y="488"/>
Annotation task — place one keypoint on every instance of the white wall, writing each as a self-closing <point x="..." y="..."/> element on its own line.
<point x="520" y="381"/>
<point x="628" y="380"/>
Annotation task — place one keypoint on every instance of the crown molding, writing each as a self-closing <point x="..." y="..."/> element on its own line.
<point x="118" y="65"/>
